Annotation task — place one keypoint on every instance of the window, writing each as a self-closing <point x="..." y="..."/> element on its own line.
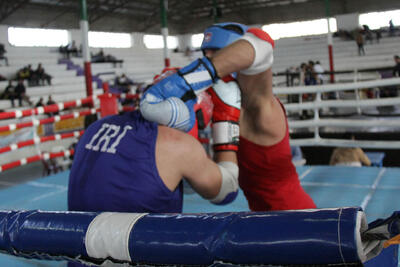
<point x="37" y="37"/>
<point x="301" y="28"/>
<point x="377" y="20"/>
<point x="152" y="41"/>
<point x="197" y="39"/>
<point x="110" y="39"/>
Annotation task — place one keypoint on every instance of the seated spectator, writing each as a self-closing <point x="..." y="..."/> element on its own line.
<point x="23" y="74"/>
<point x="349" y="156"/>
<point x="27" y="73"/>
<point x="42" y="75"/>
<point x="50" y="101"/>
<point x="2" y="52"/>
<point x="396" y="69"/>
<point x="39" y="103"/>
<point x="101" y="57"/>
<point x="8" y="92"/>
<point x="123" y="83"/>
<point x="20" y="94"/>
<point x="71" y="49"/>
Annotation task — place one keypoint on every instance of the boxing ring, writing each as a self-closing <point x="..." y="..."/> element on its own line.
<point x="375" y="190"/>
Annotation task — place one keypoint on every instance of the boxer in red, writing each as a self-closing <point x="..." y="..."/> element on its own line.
<point x="267" y="175"/>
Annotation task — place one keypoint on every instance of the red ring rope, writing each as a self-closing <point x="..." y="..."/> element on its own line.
<point x="40" y="140"/>
<point x="45" y="156"/>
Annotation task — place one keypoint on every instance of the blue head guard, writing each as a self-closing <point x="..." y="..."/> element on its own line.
<point x="220" y="35"/>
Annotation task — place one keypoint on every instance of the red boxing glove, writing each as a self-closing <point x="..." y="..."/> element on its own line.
<point x="225" y="129"/>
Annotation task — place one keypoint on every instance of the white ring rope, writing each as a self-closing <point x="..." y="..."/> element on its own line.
<point x="317" y="104"/>
<point x="47" y="109"/>
<point x="344" y="123"/>
<point x="344" y="103"/>
<point x="345" y="143"/>
<point x="336" y="87"/>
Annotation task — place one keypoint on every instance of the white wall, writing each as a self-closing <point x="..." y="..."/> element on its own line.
<point x="184" y="41"/>
<point x="76" y="35"/>
<point x="4" y="35"/>
<point x="348" y="22"/>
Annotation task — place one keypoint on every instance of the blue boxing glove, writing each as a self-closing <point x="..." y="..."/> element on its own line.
<point x="171" y="101"/>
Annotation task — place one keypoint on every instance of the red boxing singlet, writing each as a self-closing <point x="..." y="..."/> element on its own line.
<point x="268" y="177"/>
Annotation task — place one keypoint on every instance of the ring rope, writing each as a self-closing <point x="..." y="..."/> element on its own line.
<point x="46" y="109"/>
<point x="336" y="87"/>
<point x="127" y="96"/>
<point x="36" y="122"/>
<point x="345" y="143"/>
<point x="44" y="156"/>
<point x="343" y="123"/>
<point x="58" y="106"/>
<point x="343" y="103"/>
<point x="39" y="140"/>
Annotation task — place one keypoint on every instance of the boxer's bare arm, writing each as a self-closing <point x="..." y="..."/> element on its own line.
<point x="237" y="56"/>
<point x="263" y="120"/>
<point x="180" y="155"/>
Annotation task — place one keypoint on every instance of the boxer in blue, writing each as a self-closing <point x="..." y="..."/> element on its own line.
<point x="125" y="163"/>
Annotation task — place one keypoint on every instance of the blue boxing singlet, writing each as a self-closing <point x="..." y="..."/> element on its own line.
<point x="114" y="169"/>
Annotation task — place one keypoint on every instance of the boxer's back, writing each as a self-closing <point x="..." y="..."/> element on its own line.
<point x="115" y="169"/>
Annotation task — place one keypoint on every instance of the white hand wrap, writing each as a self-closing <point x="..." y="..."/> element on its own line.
<point x="171" y="112"/>
<point x="225" y="132"/>
<point x="263" y="54"/>
<point x="229" y="185"/>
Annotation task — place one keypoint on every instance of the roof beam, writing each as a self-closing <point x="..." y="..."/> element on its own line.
<point x="9" y="11"/>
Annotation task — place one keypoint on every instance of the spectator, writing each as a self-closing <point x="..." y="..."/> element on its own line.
<point x="349" y="156"/>
<point x="303" y="70"/>
<point x="123" y="83"/>
<point x="20" y="94"/>
<point x="310" y="74"/>
<point x="23" y="74"/>
<point x="396" y="69"/>
<point x="33" y="78"/>
<point x="39" y="103"/>
<point x="50" y="101"/>
<point x="42" y="75"/>
<point x="99" y="57"/>
<point x="319" y="71"/>
<point x="2" y="52"/>
<point x="378" y="34"/>
<point x="8" y="93"/>
<point x="71" y="49"/>
<point x="368" y="34"/>
<point x="391" y="28"/>
<point x="360" y="43"/>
